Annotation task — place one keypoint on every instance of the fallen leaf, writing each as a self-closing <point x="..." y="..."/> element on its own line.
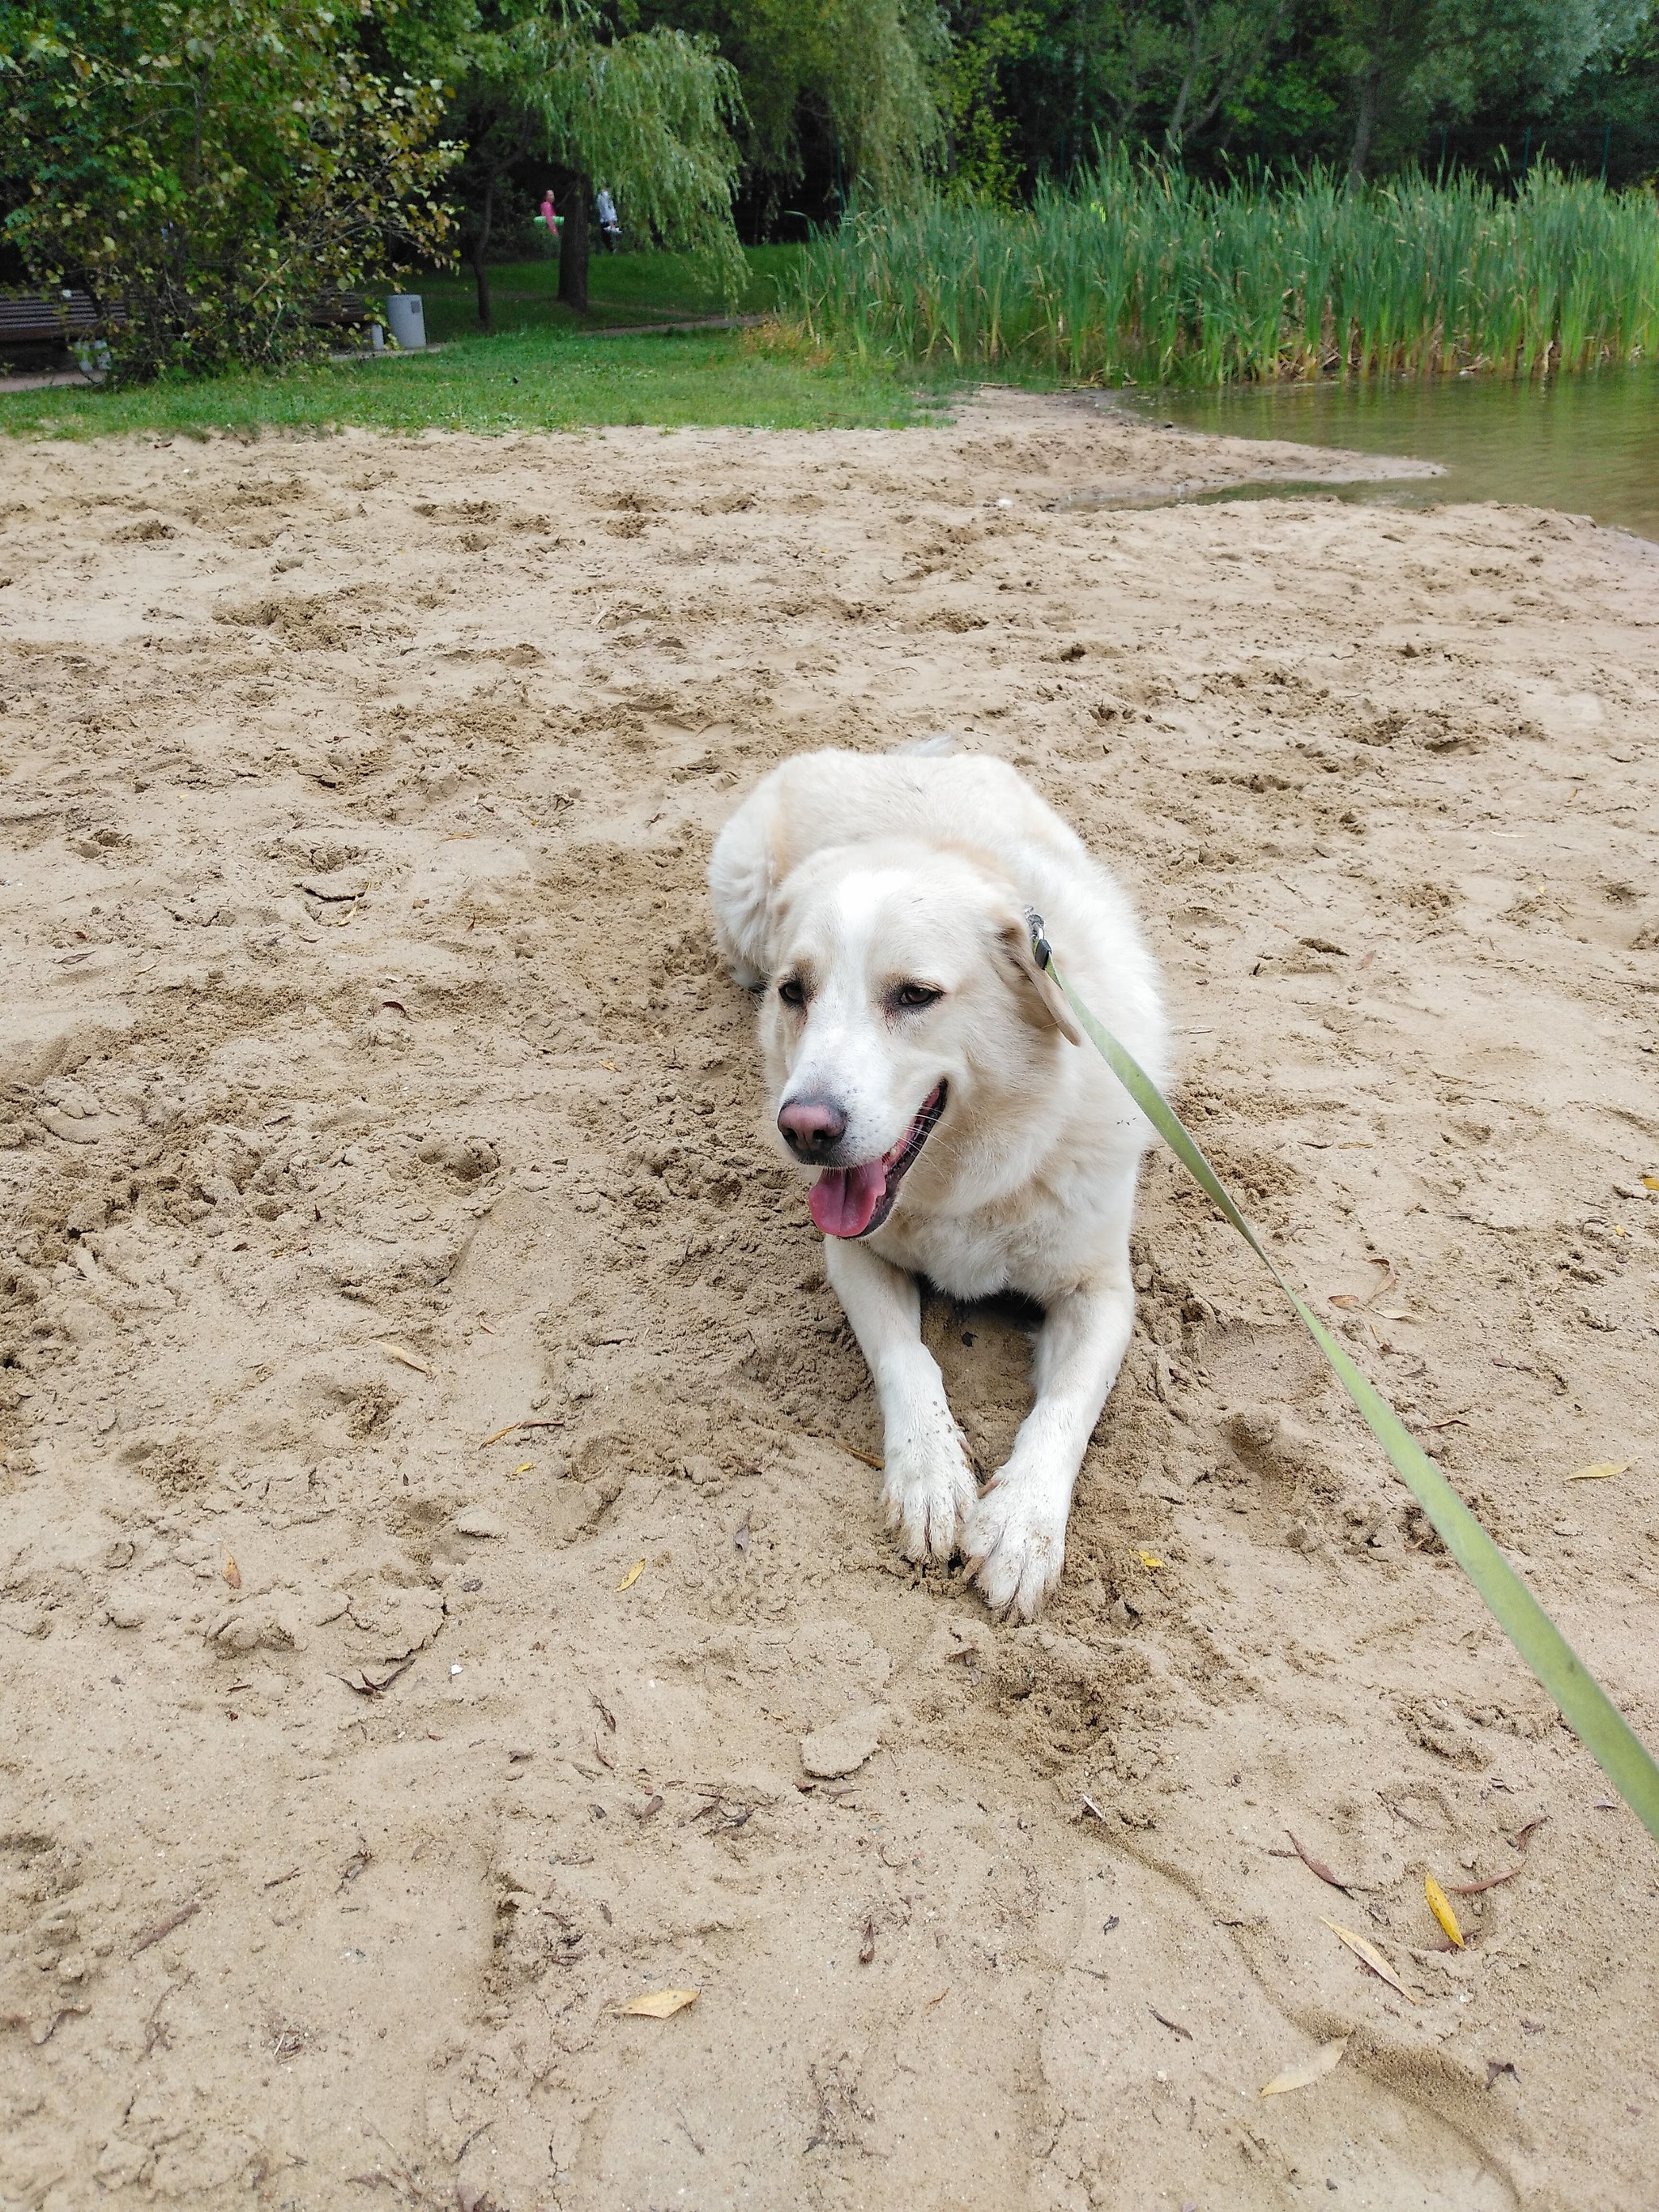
<point x="1474" y="1888"/>
<point x="1372" y="1957"/>
<point x="1600" y="1469"/>
<point x="1495" y="2066"/>
<point x="404" y="1357"/>
<point x="1650" y="1182"/>
<point x="524" y="1466"/>
<point x="867" y="1944"/>
<point x="660" y="2004"/>
<point x="495" y="1435"/>
<point x="1311" y="2070"/>
<point x="1440" y="1906"/>
<point x="1392" y="1313"/>
<point x="1343" y="1298"/>
<point x="1149" y="1558"/>
<point x="1524" y="1834"/>
<point x="1173" y="2025"/>
<point x="1317" y="1866"/>
<point x="632" y="1575"/>
<point x="233" y="1572"/>
<point x="609" y="1067"/>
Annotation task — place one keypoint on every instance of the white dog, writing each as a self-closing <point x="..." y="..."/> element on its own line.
<point x="930" y="1073"/>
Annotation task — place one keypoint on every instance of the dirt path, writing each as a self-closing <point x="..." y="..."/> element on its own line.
<point x="369" y="1086"/>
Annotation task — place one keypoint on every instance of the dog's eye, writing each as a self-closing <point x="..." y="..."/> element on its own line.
<point x="792" y="992"/>
<point x="916" y="995"/>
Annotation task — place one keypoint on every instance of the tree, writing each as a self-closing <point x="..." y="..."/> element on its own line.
<point x="1168" y="67"/>
<point x="213" y="166"/>
<point x="1157" y="73"/>
<point x="1280" y="83"/>
<point x="1410" y="59"/>
<point x="650" y="114"/>
<point x="987" y="39"/>
<point x="860" y="80"/>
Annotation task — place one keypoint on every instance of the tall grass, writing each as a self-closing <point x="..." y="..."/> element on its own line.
<point x="1147" y="274"/>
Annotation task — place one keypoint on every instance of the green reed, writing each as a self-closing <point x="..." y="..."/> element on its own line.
<point x="1143" y="274"/>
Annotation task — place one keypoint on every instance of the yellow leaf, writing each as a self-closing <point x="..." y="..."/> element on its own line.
<point x="1149" y="1558"/>
<point x="405" y="1357"/>
<point x="1650" y="1182"/>
<point x="1441" y="1905"/>
<point x="1600" y="1470"/>
<point x="1310" y="2070"/>
<point x="632" y="1575"/>
<point x="524" y="1466"/>
<point x="609" y="1067"/>
<point x="1372" y="1957"/>
<point x="233" y="1572"/>
<point x="660" y="2004"/>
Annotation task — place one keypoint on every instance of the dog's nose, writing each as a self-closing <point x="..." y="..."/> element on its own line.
<point x="812" y="1127"/>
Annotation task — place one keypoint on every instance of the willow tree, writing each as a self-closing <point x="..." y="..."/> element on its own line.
<point x="868" y="76"/>
<point x="648" y="113"/>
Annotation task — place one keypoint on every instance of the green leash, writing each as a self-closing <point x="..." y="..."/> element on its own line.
<point x="1584" y="1704"/>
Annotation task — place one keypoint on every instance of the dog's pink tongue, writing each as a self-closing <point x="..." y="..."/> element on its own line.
<point x="843" y="1199"/>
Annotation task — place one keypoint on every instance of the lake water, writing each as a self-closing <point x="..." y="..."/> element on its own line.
<point x="1587" y="444"/>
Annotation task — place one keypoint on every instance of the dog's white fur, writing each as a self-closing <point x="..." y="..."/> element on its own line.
<point x="851" y="876"/>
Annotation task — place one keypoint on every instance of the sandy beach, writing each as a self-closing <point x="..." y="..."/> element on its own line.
<point x="437" y="1499"/>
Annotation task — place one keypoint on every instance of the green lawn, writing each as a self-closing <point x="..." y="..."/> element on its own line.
<point x="622" y="287"/>
<point x="543" y="370"/>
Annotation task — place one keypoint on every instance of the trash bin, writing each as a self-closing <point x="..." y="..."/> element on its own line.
<point x="407" y="320"/>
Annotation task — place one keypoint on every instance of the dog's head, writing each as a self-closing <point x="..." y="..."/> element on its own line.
<point x="903" y="1014"/>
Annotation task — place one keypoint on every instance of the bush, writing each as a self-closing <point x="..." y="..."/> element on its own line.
<point x="210" y="169"/>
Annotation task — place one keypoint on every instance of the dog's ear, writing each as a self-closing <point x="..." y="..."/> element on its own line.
<point x="1039" y="997"/>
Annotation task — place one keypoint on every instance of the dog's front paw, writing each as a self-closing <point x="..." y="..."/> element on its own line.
<point x="1015" y="1540"/>
<point x="927" y="1490"/>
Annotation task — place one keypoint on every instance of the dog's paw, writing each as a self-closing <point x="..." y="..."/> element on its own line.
<point x="927" y="1490"/>
<point x="1015" y="1540"/>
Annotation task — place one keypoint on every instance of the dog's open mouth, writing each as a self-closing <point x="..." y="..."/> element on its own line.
<point x="854" y="1201"/>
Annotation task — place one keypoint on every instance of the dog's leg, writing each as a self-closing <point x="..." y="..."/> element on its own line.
<point x="1016" y="1534"/>
<point x="928" y="1485"/>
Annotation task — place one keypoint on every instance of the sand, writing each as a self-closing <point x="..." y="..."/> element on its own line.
<point x="370" y="1086"/>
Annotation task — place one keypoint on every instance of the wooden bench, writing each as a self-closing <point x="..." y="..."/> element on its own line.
<point x="339" y="311"/>
<point x="47" y="319"/>
<point x="60" y="319"/>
